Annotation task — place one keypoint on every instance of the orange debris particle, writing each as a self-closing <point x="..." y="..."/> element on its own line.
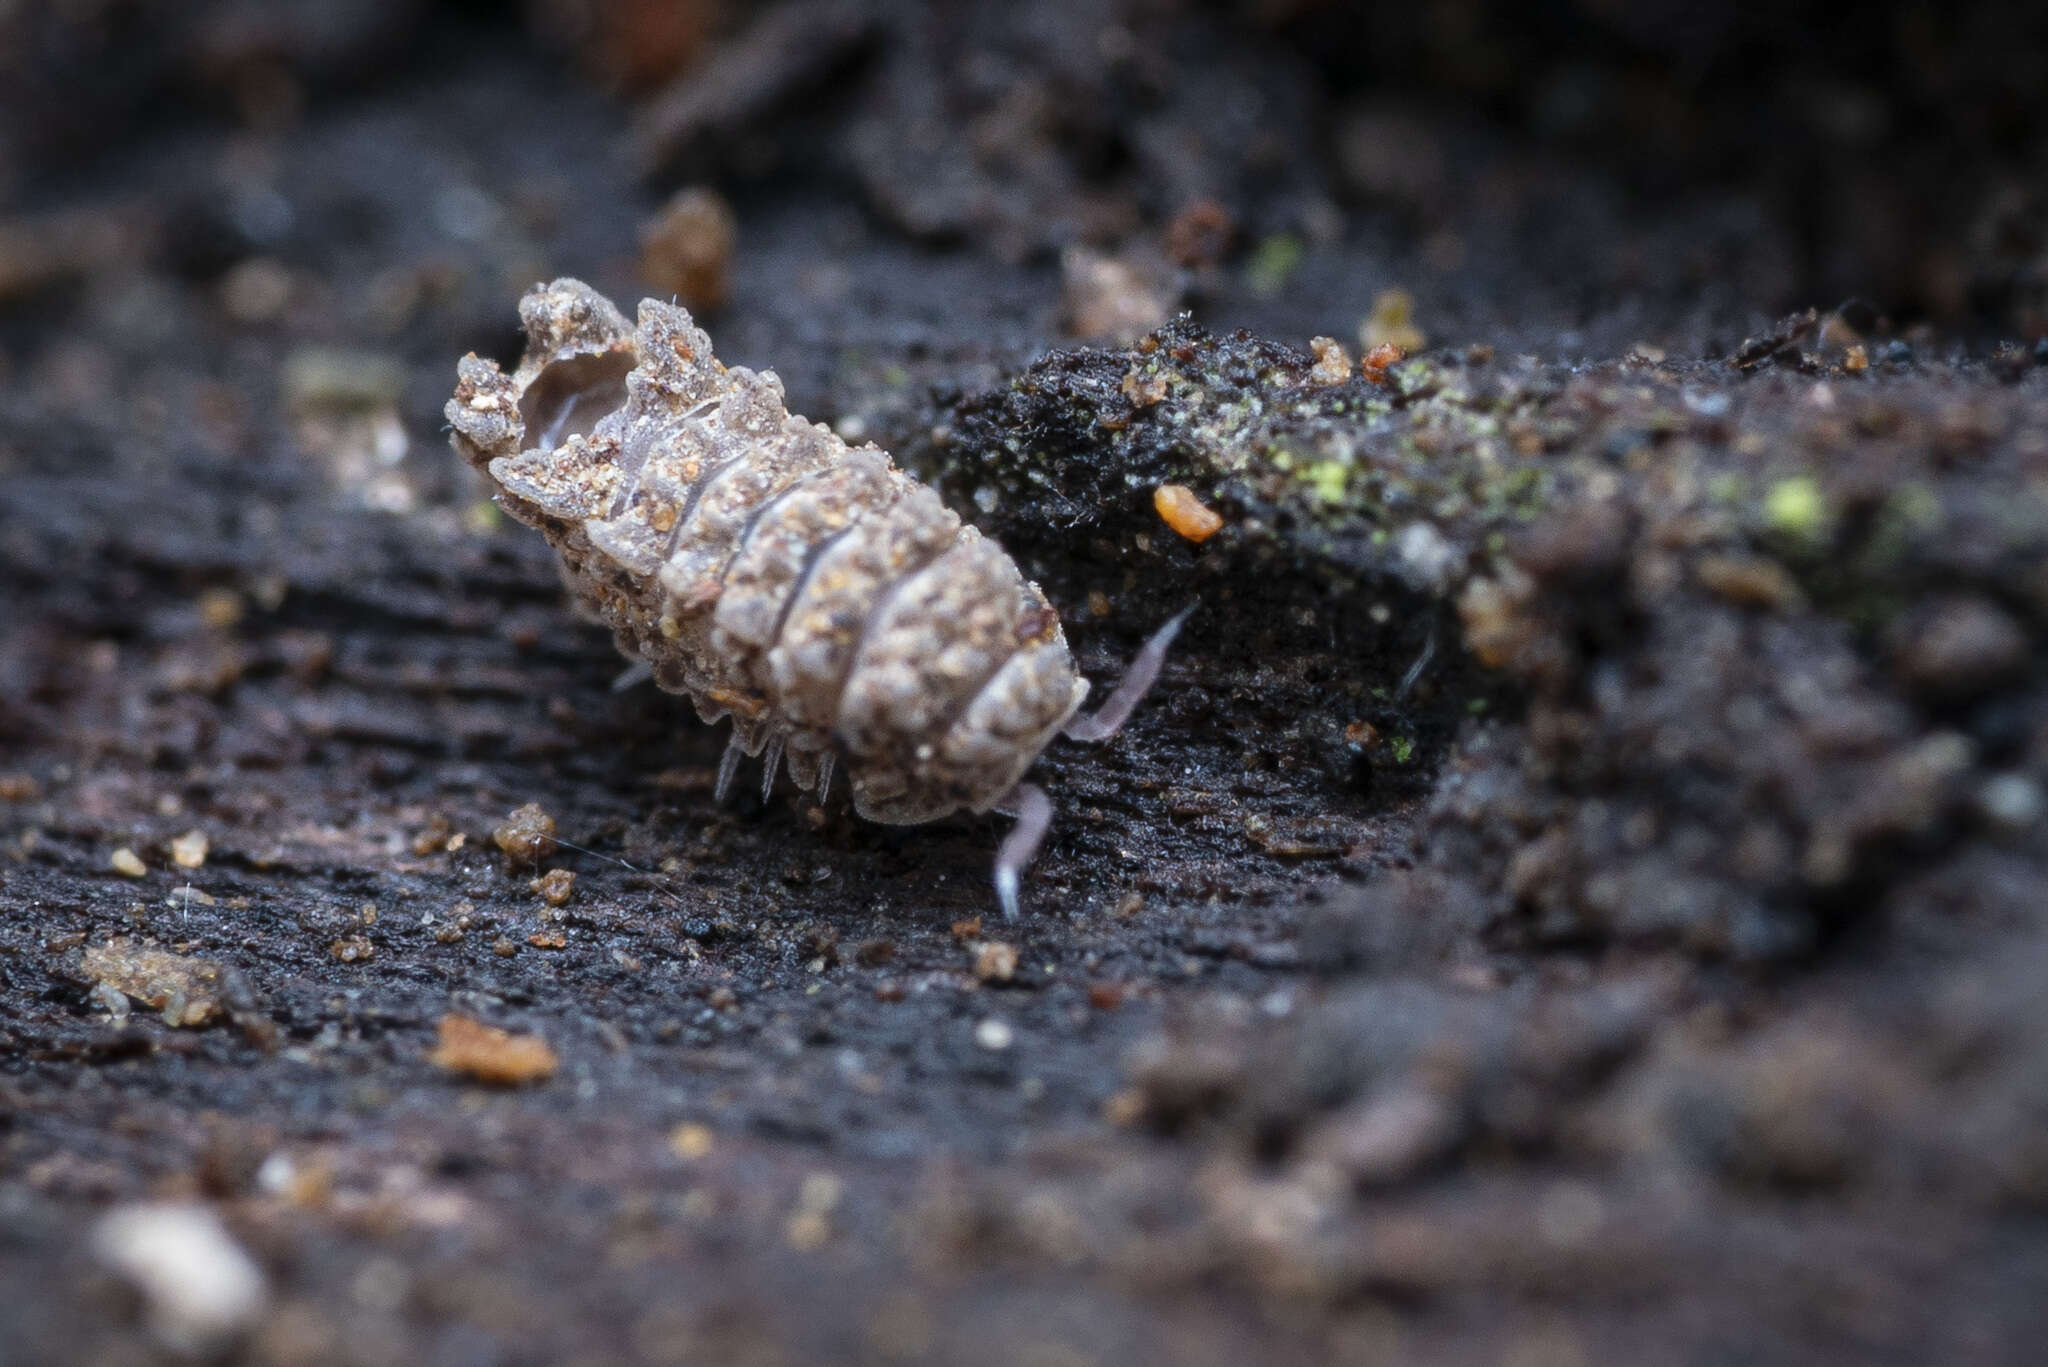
<point x="1333" y="362"/>
<point x="1373" y="365"/>
<point x="489" y="1054"/>
<point x="1182" y="511"/>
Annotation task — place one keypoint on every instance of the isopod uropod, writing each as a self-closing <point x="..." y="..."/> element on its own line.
<point x="825" y="601"/>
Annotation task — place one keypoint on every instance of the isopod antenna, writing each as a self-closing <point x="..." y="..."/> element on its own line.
<point x="1028" y="802"/>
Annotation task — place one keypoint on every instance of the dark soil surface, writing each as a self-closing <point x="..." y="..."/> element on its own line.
<point x="1579" y="892"/>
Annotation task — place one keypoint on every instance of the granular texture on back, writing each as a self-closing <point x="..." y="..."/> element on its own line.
<point x="825" y="601"/>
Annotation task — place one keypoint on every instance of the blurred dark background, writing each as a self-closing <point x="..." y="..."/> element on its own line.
<point x="1577" y="176"/>
<point x="1313" y="1051"/>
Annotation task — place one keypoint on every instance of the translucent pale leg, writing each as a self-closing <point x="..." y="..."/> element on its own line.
<point x="729" y="766"/>
<point x="1109" y="719"/>
<point x="1421" y="663"/>
<point x="1028" y="802"/>
<point x="1033" y="810"/>
<point x="773" y="758"/>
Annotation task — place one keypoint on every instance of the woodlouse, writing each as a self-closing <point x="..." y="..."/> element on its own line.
<point x="830" y="605"/>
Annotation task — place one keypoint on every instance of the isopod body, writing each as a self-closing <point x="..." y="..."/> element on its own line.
<point x="822" y="599"/>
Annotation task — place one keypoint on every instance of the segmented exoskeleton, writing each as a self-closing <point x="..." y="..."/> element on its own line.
<point x="825" y="601"/>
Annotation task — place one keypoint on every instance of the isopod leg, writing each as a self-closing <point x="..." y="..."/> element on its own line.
<point x="825" y="763"/>
<point x="1421" y="663"/>
<point x="772" y="758"/>
<point x="729" y="766"/>
<point x="632" y="676"/>
<point x="1109" y="719"/>
<point x="1034" y="817"/>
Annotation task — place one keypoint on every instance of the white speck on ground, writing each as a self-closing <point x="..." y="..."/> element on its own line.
<point x="201" y="1288"/>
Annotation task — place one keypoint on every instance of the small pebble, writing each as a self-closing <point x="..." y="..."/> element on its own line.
<point x="184" y="989"/>
<point x="325" y="379"/>
<point x="1392" y="323"/>
<point x="489" y="1054"/>
<point x="201" y="1289"/>
<point x="2011" y="801"/>
<point x="128" y="864"/>
<point x="188" y="851"/>
<point x="433" y="839"/>
<point x="994" y="1034"/>
<point x="1114" y="299"/>
<point x="686" y="250"/>
<point x="1200" y="234"/>
<point x="1333" y="363"/>
<point x="527" y="836"/>
<point x="1143" y="390"/>
<point x="256" y="290"/>
<point x="1124" y="1109"/>
<point x="995" y="961"/>
<point x="221" y="609"/>
<point x="810" y="1224"/>
<point x="1373" y="365"/>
